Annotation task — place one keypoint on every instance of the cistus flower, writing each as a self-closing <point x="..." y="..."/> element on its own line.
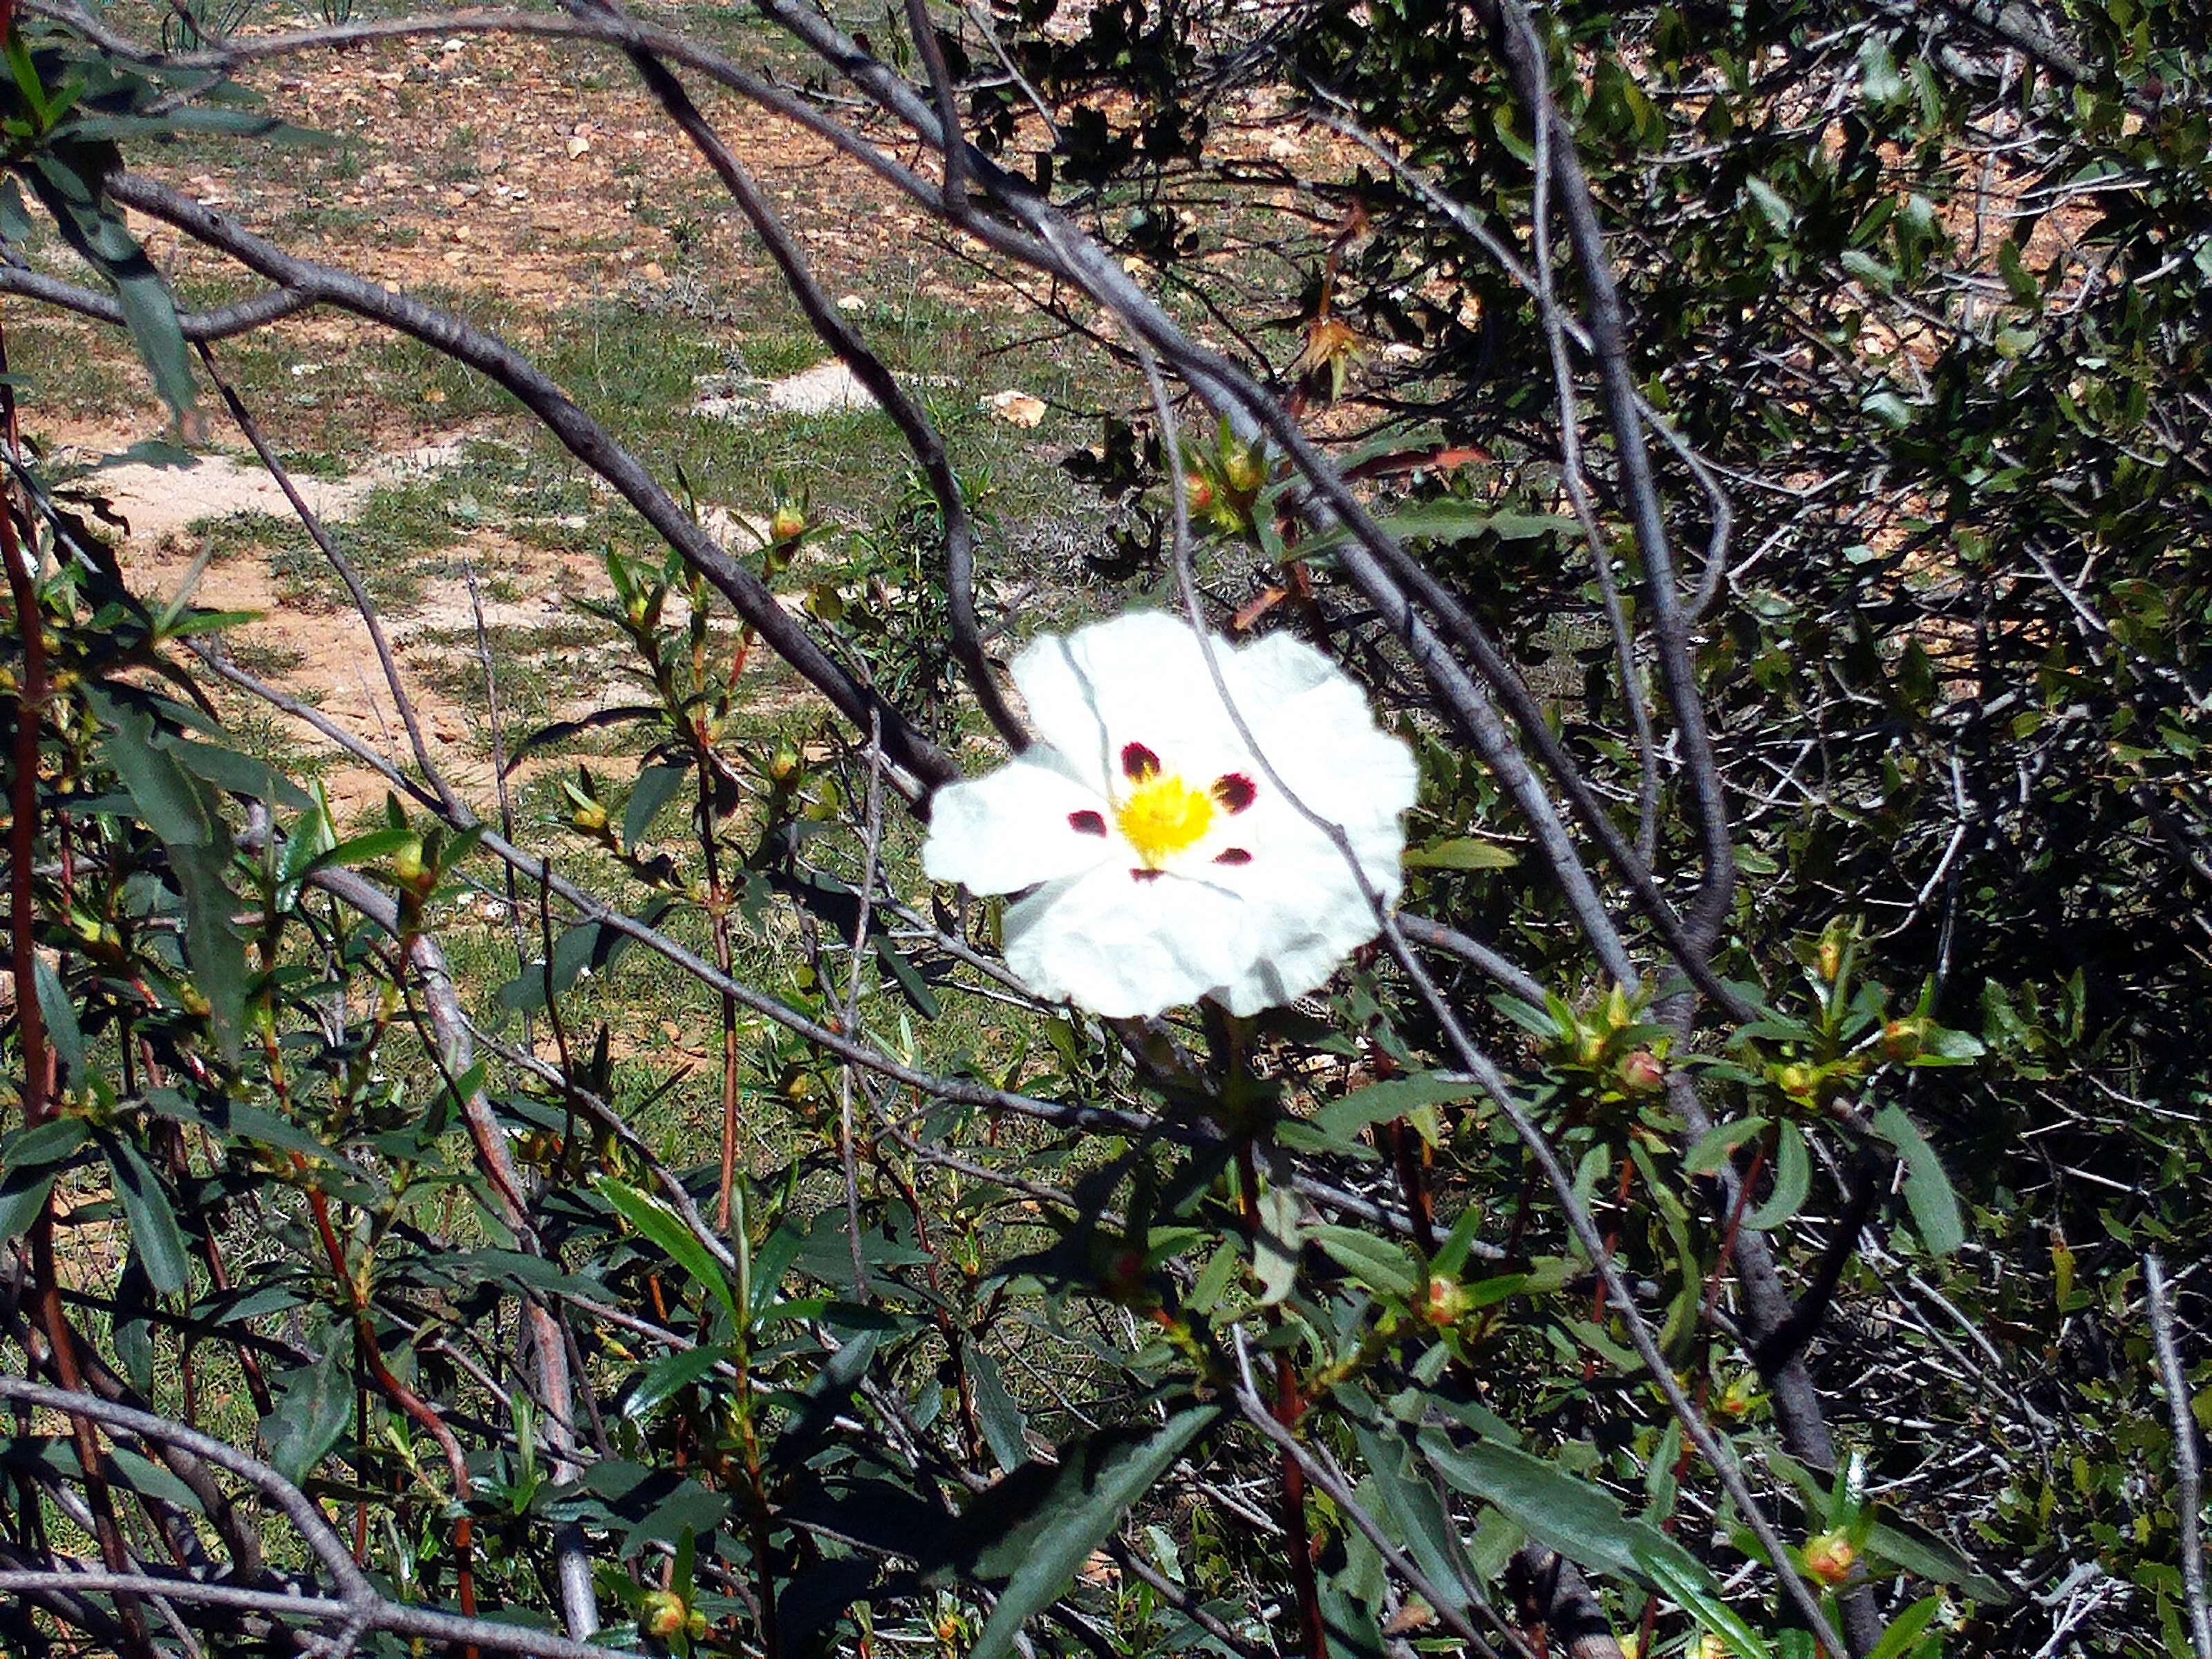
<point x="1166" y="864"/>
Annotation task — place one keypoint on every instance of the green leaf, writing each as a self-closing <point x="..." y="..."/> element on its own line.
<point x="317" y="1401"/>
<point x="182" y="811"/>
<point x="909" y="981"/>
<point x="154" y="1230"/>
<point x="1715" y="1147"/>
<point x="1458" y="521"/>
<point x="667" y="1375"/>
<point x="1384" y="1103"/>
<point x="1378" y="1263"/>
<point x="1413" y="1509"/>
<point x="174" y="806"/>
<point x="661" y="1224"/>
<point x="222" y="122"/>
<point x="1925" y="1555"/>
<point x="1793" y="1179"/>
<point x="1681" y="1576"/>
<point x="654" y="785"/>
<point x="1905" y="1629"/>
<point x="1097" y="1481"/>
<point x="1574" y="1517"/>
<point x="66" y="180"/>
<point x="1275" y="1243"/>
<point x="62" y="1029"/>
<point x="23" y="1192"/>
<point x="1465" y="853"/>
<point x="1778" y="213"/>
<point x="1928" y="1192"/>
<point x="240" y="775"/>
<point x="1003" y="1423"/>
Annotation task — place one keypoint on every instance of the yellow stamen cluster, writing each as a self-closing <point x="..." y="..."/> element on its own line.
<point x="1164" y="816"/>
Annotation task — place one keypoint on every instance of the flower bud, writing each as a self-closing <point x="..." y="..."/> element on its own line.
<point x="1903" y="1039"/>
<point x="1829" y="1557"/>
<point x="1198" y="490"/>
<point x="1443" y="1304"/>
<point x="1796" y="1081"/>
<point x="789" y="524"/>
<point x="589" y="816"/>
<point x="662" y="1615"/>
<point x="407" y="860"/>
<point x="1242" y="469"/>
<point x="1641" y="1073"/>
<point x="785" y="764"/>
<point x="695" y="1625"/>
<point x="1830" y="959"/>
<point x="1740" y="1397"/>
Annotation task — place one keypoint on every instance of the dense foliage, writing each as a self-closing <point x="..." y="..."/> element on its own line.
<point x="1758" y="454"/>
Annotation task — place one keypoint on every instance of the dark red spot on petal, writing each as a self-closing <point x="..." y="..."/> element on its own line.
<point x="1139" y="763"/>
<point x="1232" y="855"/>
<point x="1086" y="823"/>
<point x="1234" y="791"/>
<point x="1145" y="875"/>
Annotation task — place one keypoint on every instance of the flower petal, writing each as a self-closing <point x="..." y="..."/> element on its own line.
<point x="1126" y="948"/>
<point x="1304" y="915"/>
<point x="1137" y="679"/>
<point x="1014" y="828"/>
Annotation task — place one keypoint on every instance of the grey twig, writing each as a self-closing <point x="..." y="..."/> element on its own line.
<point x="2189" y="1474"/>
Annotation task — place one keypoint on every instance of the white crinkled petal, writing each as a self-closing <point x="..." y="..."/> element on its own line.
<point x="1139" y="678"/>
<point x="1009" y="828"/>
<point x="1124" y="948"/>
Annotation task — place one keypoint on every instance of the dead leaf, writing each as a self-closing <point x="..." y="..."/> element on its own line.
<point x="576" y="144"/>
<point x="1017" y="407"/>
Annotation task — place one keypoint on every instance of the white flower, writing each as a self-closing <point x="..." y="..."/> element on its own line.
<point x="1167" y="866"/>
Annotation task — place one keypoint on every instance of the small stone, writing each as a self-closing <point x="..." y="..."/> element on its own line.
<point x="577" y="145"/>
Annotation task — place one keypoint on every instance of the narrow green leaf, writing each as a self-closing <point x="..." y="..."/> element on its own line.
<point x="909" y="981"/>
<point x="1412" y="1510"/>
<point x="175" y="806"/>
<point x="1580" y="1521"/>
<point x="661" y="1224"/>
<point x="154" y="1230"/>
<point x="654" y="785"/>
<point x="316" y="1402"/>
<point x="668" y="1376"/>
<point x="1681" y="1576"/>
<point x="1463" y="853"/>
<point x="1275" y="1244"/>
<point x="1713" y="1147"/>
<point x="1905" y="1629"/>
<point x="1928" y="1192"/>
<point x="1378" y="1263"/>
<point x="65" y="178"/>
<point x="240" y="775"/>
<point x="1383" y="1103"/>
<point x="1004" y="1426"/>
<point x="1926" y="1555"/>
<point x="1793" y="1179"/>
<point x="1458" y="521"/>
<point x="62" y="1029"/>
<point x="1092" y="1489"/>
<point x="22" y="1193"/>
